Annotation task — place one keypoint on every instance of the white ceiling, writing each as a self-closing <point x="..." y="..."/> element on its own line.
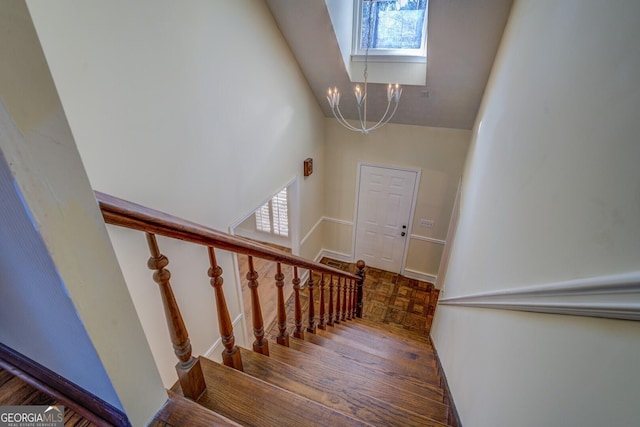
<point x="463" y="37"/>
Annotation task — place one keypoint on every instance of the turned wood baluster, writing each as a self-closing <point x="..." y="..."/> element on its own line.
<point x="330" y="321"/>
<point x="189" y="370"/>
<point x="344" y="299"/>
<point x="338" y="285"/>
<point x="355" y="299"/>
<point x="298" y="331"/>
<point x="283" y="335"/>
<point x="311" y="326"/>
<point x="350" y="298"/>
<point x="352" y="311"/>
<point x="231" y="354"/>
<point x="260" y="345"/>
<point x="323" y="317"/>
<point x="359" y="285"/>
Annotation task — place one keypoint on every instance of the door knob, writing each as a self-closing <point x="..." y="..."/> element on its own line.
<point x="403" y="234"/>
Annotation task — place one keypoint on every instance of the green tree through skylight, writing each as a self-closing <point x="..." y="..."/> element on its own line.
<point x="392" y="24"/>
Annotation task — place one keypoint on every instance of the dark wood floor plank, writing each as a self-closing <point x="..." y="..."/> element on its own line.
<point x="386" y="328"/>
<point x="375" y="342"/>
<point x="424" y="400"/>
<point x="14" y="392"/>
<point x="179" y="411"/>
<point x="333" y="390"/>
<point x="367" y="369"/>
<point x="253" y="402"/>
<point x="382" y="366"/>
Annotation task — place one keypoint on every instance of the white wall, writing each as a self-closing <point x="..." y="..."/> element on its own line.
<point x="63" y="299"/>
<point x="551" y="192"/>
<point x="438" y="152"/>
<point x="197" y="109"/>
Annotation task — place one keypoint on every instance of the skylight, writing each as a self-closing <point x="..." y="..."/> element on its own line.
<point x="390" y="28"/>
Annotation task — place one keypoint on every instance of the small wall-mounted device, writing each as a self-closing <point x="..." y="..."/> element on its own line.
<point x="308" y="166"/>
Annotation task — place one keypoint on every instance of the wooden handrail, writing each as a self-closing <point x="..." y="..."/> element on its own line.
<point x="127" y="214"/>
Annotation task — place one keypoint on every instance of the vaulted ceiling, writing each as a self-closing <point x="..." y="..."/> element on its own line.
<point x="463" y="38"/>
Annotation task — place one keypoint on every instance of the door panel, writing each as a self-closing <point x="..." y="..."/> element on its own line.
<point x="385" y="199"/>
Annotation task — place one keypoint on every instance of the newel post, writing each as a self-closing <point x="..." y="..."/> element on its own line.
<point x="188" y="367"/>
<point x="360" y="283"/>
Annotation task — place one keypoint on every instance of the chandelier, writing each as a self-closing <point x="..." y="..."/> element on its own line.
<point x="393" y="96"/>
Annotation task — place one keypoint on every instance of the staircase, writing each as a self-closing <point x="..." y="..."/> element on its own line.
<point x="352" y="374"/>
<point x="339" y="370"/>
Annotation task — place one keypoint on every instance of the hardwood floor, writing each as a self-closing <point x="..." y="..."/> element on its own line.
<point x="14" y="391"/>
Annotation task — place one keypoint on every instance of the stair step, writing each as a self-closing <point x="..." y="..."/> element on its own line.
<point x="372" y="341"/>
<point x="389" y="329"/>
<point x="424" y="400"/>
<point x="398" y="368"/>
<point x="252" y="402"/>
<point x="180" y="411"/>
<point x="401" y="362"/>
<point x="334" y="391"/>
<point x="424" y="348"/>
<point x="367" y="367"/>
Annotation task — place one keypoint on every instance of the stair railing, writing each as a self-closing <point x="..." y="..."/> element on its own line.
<point x="130" y="215"/>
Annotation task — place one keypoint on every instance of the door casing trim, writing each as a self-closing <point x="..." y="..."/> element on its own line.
<point x="414" y="199"/>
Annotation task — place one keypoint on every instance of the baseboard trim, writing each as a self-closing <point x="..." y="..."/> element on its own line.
<point x="614" y="296"/>
<point x="453" y="416"/>
<point x="70" y="394"/>
<point x="419" y="275"/>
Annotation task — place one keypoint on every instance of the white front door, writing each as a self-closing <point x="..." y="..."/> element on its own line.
<point x="385" y="200"/>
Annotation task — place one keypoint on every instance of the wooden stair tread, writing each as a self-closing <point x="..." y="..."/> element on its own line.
<point x="389" y="329"/>
<point x="400" y="393"/>
<point x="413" y="363"/>
<point x="333" y="389"/>
<point x="383" y="345"/>
<point x="252" y="402"/>
<point x="368" y="368"/>
<point x="374" y="342"/>
<point x="180" y="411"/>
<point x="389" y="366"/>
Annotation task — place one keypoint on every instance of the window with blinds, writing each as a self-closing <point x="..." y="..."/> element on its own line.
<point x="273" y="216"/>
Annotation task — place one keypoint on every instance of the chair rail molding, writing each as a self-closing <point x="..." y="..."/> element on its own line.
<point x="427" y="239"/>
<point x="419" y="275"/>
<point x="613" y="296"/>
<point x="338" y="221"/>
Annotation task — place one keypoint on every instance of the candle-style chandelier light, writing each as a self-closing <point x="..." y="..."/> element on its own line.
<point x="394" y="91"/>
